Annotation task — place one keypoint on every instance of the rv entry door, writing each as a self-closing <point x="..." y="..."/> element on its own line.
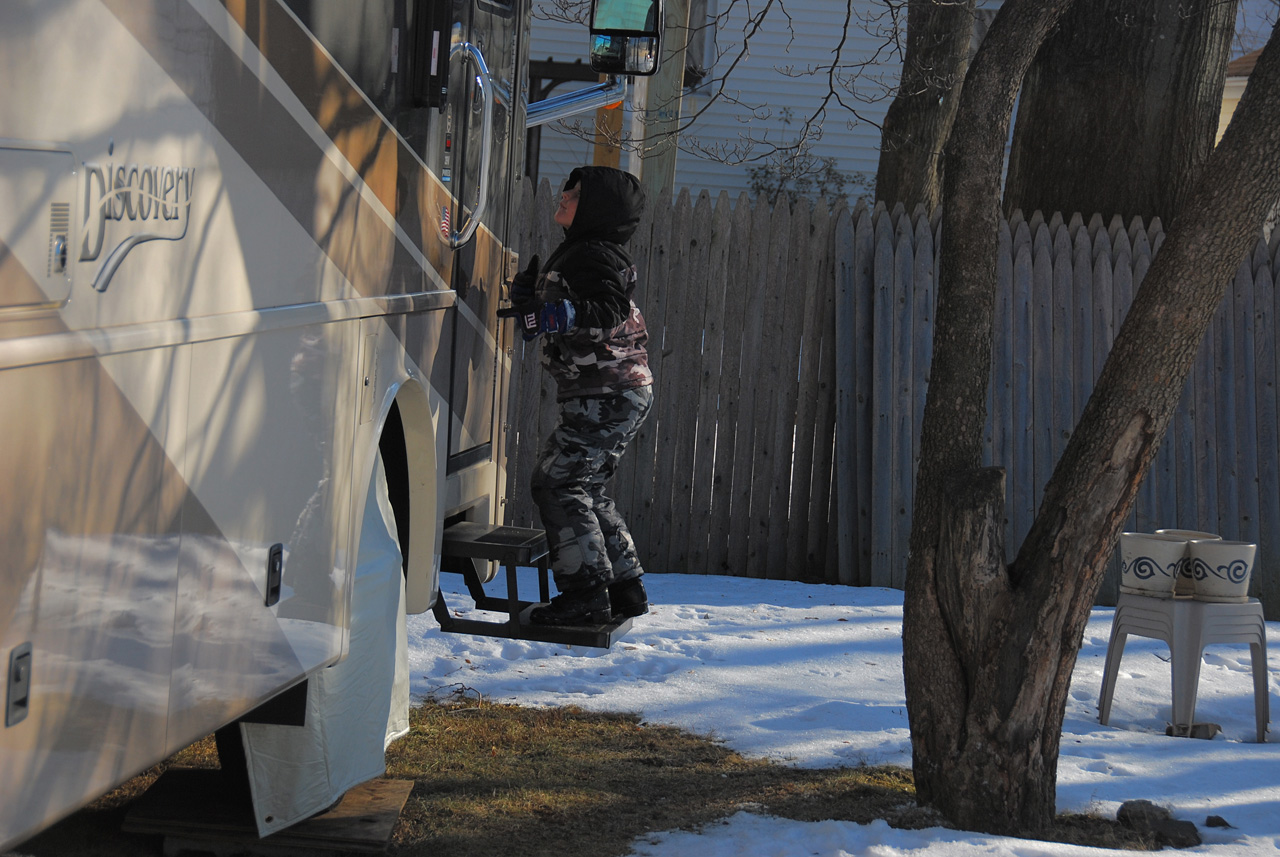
<point x="482" y="116"/>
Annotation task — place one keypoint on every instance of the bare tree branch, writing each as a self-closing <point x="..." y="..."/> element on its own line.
<point x="849" y="81"/>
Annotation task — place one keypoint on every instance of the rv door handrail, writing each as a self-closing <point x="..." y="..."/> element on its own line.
<point x="611" y="91"/>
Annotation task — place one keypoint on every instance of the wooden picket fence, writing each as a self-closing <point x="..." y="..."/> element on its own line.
<point x="731" y="473"/>
<point x="792" y="349"/>
<point x="1063" y="290"/>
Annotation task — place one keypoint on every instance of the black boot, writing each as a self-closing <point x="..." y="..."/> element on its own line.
<point x="628" y="598"/>
<point x="588" y="606"/>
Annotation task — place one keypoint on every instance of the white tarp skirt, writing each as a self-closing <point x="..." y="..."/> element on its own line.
<point x="354" y="708"/>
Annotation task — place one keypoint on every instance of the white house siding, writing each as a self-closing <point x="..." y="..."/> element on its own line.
<point x="801" y="43"/>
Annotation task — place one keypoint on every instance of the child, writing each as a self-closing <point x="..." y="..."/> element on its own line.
<point x="594" y="347"/>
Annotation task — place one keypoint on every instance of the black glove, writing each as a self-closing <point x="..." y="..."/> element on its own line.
<point x="534" y="318"/>
<point x="523" y="283"/>
<point x="526" y="316"/>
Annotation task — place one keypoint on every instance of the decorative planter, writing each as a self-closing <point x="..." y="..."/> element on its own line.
<point x="1221" y="569"/>
<point x="1186" y="585"/>
<point x="1150" y="563"/>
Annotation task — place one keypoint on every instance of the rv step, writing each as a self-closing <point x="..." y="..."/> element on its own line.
<point x="512" y="547"/>
<point x="505" y="544"/>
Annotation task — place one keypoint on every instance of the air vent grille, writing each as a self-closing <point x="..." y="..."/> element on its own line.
<point x="59" y="228"/>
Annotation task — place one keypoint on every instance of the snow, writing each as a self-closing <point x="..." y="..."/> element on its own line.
<point x="811" y="675"/>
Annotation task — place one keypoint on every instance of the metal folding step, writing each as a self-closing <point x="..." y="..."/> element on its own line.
<point x="512" y="547"/>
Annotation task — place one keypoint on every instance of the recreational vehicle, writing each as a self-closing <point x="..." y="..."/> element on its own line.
<point x="251" y="256"/>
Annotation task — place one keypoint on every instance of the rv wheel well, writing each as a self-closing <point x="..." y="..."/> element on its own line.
<point x="395" y="460"/>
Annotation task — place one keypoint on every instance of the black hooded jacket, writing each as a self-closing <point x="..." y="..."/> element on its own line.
<point x="605" y="352"/>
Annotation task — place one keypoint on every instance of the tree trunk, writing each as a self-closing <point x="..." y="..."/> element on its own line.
<point x="1120" y="108"/>
<point x="989" y="650"/>
<point x="948" y="718"/>
<point x="920" y="116"/>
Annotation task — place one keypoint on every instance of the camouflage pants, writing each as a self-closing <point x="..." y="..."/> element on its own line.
<point x="589" y="541"/>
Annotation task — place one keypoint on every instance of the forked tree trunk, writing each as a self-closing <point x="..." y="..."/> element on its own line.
<point x="920" y="117"/>
<point x="979" y="789"/>
<point x="1120" y="108"/>
<point x="989" y="649"/>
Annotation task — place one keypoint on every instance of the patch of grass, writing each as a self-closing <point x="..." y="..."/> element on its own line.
<point x="564" y="781"/>
<point x="502" y="779"/>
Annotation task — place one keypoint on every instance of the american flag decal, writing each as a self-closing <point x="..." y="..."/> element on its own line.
<point x="445" y="229"/>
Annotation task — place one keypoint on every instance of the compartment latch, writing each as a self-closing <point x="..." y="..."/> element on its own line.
<point x="18" y="692"/>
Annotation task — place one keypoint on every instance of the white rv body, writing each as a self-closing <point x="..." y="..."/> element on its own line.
<point x="224" y="282"/>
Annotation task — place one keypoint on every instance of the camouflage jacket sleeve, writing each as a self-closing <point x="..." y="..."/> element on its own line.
<point x="598" y="278"/>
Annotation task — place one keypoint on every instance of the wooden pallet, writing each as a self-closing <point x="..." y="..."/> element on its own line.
<point x="194" y="811"/>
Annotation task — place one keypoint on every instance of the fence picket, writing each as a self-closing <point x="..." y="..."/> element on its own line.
<point x="1021" y="467"/>
<point x="670" y="383"/>
<point x="823" y="502"/>
<point x="1116" y="229"/>
<point x="769" y="376"/>
<point x="847" y="452"/>
<point x="705" y="498"/>
<point x="1055" y="226"/>
<point x="882" y="404"/>
<point x="1042" y="361"/>
<point x="1266" y="360"/>
<point x="756" y="251"/>
<point x="725" y="515"/>
<point x="1082" y="292"/>
<point x="788" y="438"/>
<point x="688" y="351"/>
<point x="1075" y="225"/>
<point x="1064" y="382"/>
<point x="1095" y="227"/>
<point x="864" y="349"/>
<point x="1185" y="459"/>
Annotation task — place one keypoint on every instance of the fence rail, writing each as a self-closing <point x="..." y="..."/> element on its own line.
<point x="791" y="350"/>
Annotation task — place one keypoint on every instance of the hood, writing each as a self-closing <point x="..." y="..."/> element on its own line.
<point x="610" y="203"/>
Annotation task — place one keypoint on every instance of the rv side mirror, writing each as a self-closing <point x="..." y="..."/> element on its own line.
<point x="626" y="36"/>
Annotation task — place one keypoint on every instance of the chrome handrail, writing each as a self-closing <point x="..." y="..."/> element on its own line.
<point x="611" y="91"/>
<point x="485" y="82"/>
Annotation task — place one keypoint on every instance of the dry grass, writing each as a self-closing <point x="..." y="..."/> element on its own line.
<point x="501" y="779"/>
<point x="564" y="781"/>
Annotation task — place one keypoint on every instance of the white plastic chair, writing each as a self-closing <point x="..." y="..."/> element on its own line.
<point x="1187" y="626"/>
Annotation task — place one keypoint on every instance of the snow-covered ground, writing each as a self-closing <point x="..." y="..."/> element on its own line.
<point x="812" y="676"/>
